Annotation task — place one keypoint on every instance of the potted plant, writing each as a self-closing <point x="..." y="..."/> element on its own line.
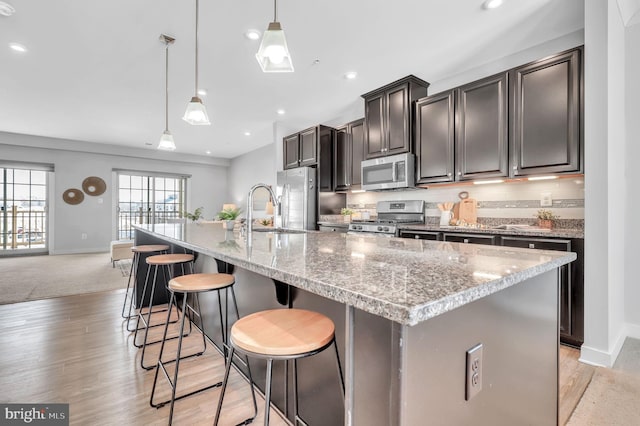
<point x="346" y="214"/>
<point x="546" y="218"/>
<point x="195" y="216"/>
<point x="229" y="217"/>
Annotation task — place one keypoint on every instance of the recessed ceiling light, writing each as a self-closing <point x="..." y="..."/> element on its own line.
<point x="247" y="133"/>
<point x="18" y="47"/>
<point x="202" y="92"/>
<point x="281" y="112"/>
<point x="208" y="152"/>
<point x="350" y="75"/>
<point x="6" y="9"/>
<point x="491" y="4"/>
<point x="252" y="34"/>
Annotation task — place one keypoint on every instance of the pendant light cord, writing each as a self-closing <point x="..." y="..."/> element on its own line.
<point x="275" y="10"/>
<point x="166" y="88"/>
<point x="197" y="14"/>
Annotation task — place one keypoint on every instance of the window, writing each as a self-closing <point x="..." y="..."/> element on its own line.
<point x="23" y="210"/>
<point x="148" y="199"/>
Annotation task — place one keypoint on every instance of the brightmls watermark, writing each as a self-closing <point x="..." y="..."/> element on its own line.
<point x="34" y="414"/>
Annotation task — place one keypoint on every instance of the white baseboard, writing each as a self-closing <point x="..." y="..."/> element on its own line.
<point x="79" y="251"/>
<point x="593" y="356"/>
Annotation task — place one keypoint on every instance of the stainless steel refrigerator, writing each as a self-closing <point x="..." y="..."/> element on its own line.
<point x="297" y="189"/>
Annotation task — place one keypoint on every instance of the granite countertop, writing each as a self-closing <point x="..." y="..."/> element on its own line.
<point x="404" y="280"/>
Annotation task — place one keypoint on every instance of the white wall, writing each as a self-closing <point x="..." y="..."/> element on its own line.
<point x="95" y="216"/>
<point x="605" y="186"/>
<point x="632" y="224"/>
<point x="258" y="166"/>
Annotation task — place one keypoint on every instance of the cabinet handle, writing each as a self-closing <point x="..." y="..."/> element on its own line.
<point x="531" y="245"/>
<point x="333" y="229"/>
<point x="417" y="237"/>
<point x="466" y="240"/>
<point x="459" y="173"/>
<point x="449" y="174"/>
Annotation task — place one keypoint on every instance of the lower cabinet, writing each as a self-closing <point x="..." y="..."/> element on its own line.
<point x="571" y="284"/>
<point x="571" y="275"/>
<point x="421" y="235"/>
<point x="470" y="238"/>
<point x="329" y="228"/>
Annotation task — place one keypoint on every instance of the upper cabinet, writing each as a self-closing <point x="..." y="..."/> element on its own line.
<point x="435" y="138"/>
<point x="546" y="109"/>
<point x="291" y="146"/>
<point x="482" y="129"/>
<point x="522" y="122"/>
<point x="462" y="134"/>
<point x="311" y="147"/>
<point x="349" y="153"/>
<point x="388" y="119"/>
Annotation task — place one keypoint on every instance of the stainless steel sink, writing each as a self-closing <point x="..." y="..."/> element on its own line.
<point x="279" y="230"/>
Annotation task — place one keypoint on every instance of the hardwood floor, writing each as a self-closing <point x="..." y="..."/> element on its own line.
<point x="574" y="379"/>
<point x="76" y="350"/>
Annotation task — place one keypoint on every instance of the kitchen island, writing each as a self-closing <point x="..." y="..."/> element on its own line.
<point x="406" y="313"/>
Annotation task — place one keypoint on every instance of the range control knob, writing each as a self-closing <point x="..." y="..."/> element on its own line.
<point x="385" y="229"/>
<point x="379" y="228"/>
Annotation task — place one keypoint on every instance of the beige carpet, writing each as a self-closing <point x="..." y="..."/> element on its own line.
<point x="612" y="399"/>
<point x="42" y="277"/>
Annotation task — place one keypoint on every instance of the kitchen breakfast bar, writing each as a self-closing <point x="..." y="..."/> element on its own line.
<point x="408" y="314"/>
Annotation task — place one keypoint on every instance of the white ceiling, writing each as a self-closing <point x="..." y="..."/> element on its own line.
<point x="94" y="70"/>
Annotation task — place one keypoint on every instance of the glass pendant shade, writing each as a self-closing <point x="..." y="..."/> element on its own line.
<point x="196" y="113"/>
<point x="166" y="142"/>
<point x="273" y="55"/>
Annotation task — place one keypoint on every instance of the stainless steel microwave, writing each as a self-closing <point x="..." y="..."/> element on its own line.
<point x="392" y="172"/>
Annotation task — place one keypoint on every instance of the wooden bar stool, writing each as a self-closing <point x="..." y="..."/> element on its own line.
<point x="137" y="251"/>
<point x="167" y="261"/>
<point x="193" y="284"/>
<point x="280" y="334"/>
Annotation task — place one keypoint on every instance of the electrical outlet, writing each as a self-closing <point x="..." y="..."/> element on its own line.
<point x="473" y="372"/>
<point x="546" y="200"/>
<point x="83" y="236"/>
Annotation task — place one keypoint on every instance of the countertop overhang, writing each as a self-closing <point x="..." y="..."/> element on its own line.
<point x="404" y="280"/>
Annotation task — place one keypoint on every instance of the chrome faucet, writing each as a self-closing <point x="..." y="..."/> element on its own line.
<point x="274" y="198"/>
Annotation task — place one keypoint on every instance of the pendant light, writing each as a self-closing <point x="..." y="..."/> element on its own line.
<point x="273" y="55"/>
<point x="196" y="113"/>
<point x="166" y="140"/>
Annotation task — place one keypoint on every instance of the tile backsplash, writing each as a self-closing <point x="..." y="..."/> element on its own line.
<point x="510" y="200"/>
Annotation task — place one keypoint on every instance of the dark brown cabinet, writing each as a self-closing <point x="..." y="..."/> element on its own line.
<point x="546" y="109"/>
<point x="469" y="238"/>
<point x="388" y="125"/>
<point x="571" y="284"/>
<point x="522" y="122"/>
<point x="420" y="235"/>
<point x="435" y="138"/>
<point x="311" y="147"/>
<point x="301" y="149"/>
<point x="349" y="153"/>
<point x="462" y="134"/>
<point x="482" y="129"/>
<point x="291" y="146"/>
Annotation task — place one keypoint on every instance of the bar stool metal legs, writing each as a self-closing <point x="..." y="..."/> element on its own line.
<point x="186" y="285"/>
<point x="132" y="279"/>
<point x="166" y="260"/>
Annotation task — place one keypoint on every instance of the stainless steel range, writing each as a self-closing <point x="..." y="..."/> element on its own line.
<point x="391" y="214"/>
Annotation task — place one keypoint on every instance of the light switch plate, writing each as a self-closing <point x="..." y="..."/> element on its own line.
<point x="546" y="200"/>
<point x="473" y="372"/>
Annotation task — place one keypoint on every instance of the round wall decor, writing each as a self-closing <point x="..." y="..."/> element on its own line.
<point x="72" y="196"/>
<point x="94" y="185"/>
